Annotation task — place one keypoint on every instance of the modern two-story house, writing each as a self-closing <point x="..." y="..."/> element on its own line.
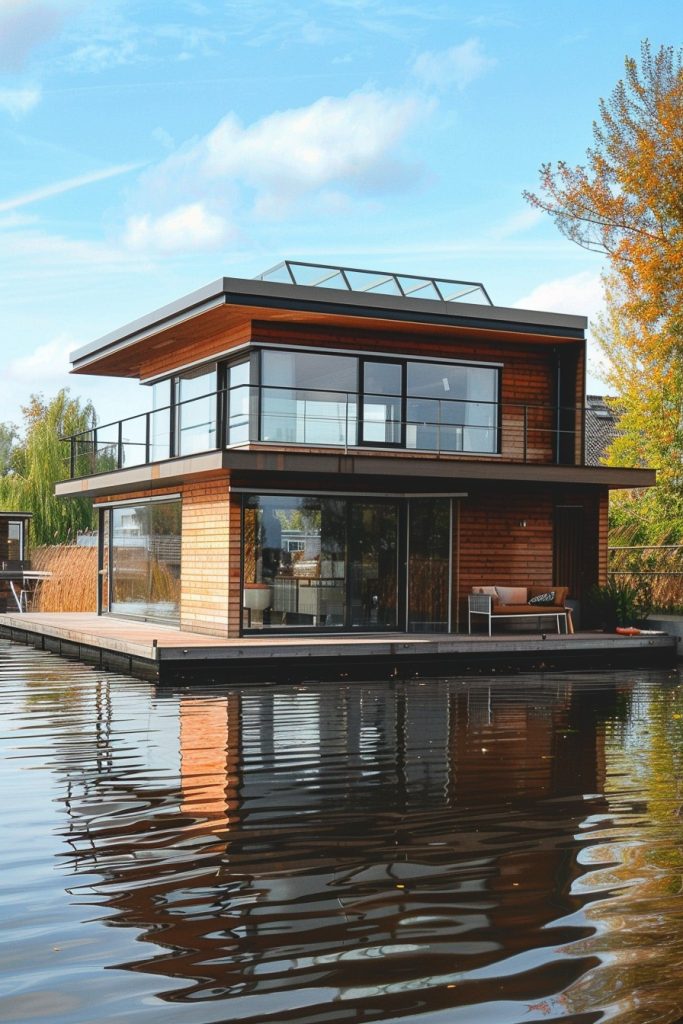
<point x="339" y="450"/>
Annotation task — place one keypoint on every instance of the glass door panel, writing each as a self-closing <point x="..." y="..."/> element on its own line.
<point x="382" y="402"/>
<point x="429" y="562"/>
<point x="373" y="565"/>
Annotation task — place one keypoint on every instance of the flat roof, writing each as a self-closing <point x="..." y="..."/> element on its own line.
<point x="264" y="298"/>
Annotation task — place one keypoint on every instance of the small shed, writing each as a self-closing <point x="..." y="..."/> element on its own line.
<point x="13" y="550"/>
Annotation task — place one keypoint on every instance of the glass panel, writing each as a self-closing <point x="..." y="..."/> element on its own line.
<point x="145" y="560"/>
<point x="294" y="562"/>
<point x="309" y="398"/>
<point x="373" y="571"/>
<point x="134" y="434"/>
<point x="238" y="403"/>
<point x="196" y="411"/>
<point x="107" y="448"/>
<point x="452" y="408"/>
<point x="382" y="402"/>
<point x="429" y="546"/>
<point x="104" y="568"/>
<point x="160" y="422"/>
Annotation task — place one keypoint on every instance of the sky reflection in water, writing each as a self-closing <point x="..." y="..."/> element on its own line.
<point x="465" y="851"/>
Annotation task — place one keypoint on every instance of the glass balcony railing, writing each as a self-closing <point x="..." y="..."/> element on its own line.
<point x="248" y="415"/>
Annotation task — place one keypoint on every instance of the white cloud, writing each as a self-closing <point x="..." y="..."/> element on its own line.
<point x="458" y="66"/>
<point x="19" y="101"/>
<point x="186" y="227"/>
<point x="45" y="364"/>
<point x="580" y="294"/>
<point x="334" y="146"/>
<point x="25" y="25"/>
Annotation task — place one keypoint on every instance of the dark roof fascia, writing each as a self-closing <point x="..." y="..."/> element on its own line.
<point x="270" y="465"/>
<point x="330" y="301"/>
<point x="16" y="515"/>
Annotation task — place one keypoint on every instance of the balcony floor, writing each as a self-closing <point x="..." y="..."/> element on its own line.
<point x="169" y="655"/>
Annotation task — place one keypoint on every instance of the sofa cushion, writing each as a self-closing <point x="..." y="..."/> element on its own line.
<point x="489" y="591"/>
<point x="548" y="597"/>
<point x="512" y="595"/>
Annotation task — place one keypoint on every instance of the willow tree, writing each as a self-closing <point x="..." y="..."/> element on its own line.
<point x="39" y="459"/>
<point x="626" y="202"/>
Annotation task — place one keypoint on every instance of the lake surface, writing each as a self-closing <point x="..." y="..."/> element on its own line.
<point x="456" y="851"/>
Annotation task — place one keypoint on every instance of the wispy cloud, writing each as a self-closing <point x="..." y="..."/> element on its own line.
<point x="24" y="26"/>
<point x="458" y="66"/>
<point x="56" y="189"/>
<point x="18" y="102"/>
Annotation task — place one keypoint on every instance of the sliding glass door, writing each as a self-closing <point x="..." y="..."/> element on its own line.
<point x="373" y="565"/>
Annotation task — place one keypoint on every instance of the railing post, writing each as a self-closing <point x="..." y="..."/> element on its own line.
<point x="147" y="438"/>
<point x="119" y="445"/>
<point x="94" y="450"/>
<point x="72" y="457"/>
<point x="526" y="432"/>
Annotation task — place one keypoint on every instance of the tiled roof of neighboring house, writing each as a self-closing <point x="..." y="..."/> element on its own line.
<point x="601" y="428"/>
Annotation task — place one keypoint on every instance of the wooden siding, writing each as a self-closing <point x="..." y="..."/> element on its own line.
<point x="205" y="557"/>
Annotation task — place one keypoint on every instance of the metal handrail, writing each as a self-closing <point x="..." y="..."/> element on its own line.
<point x="109" y="442"/>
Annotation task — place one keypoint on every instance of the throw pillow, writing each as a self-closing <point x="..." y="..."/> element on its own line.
<point x="547" y="598"/>
<point x="512" y="595"/>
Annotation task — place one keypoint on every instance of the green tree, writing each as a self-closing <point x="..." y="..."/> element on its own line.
<point x="626" y="202"/>
<point x="8" y="437"/>
<point x="39" y="459"/>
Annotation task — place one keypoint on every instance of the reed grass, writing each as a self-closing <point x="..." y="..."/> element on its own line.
<point x="73" y="584"/>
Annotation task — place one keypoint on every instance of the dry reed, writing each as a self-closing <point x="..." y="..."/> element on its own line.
<point x="73" y="584"/>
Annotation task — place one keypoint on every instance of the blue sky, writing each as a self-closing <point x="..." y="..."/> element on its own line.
<point x="149" y="148"/>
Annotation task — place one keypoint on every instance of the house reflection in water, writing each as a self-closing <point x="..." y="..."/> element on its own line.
<point x="352" y="845"/>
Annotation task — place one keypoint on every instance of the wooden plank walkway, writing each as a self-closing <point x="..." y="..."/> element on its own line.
<point x="164" y="652"/>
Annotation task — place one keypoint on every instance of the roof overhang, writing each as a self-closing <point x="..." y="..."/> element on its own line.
<point x="275" y="467"/>
<point x="231" y="303"/>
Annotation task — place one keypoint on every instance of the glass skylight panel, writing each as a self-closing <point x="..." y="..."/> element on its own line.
<point x="354" y="279"/>
<point x="419" y="287"/>
<point x="369" y="281"/>
<point x="279" y="274"/>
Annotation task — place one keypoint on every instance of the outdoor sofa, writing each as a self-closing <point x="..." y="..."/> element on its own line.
<point x="497" y="602"/>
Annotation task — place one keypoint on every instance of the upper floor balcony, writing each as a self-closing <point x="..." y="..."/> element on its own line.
<point x="383" y="417"/>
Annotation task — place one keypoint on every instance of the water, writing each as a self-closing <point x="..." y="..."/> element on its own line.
<point x="450" y="852"/>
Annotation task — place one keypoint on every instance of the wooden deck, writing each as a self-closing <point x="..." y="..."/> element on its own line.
<point x="167" y="654"/>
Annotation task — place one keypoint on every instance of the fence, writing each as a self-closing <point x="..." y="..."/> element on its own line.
<point x="658" y="565"/>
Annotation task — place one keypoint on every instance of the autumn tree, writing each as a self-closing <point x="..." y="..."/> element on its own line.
<point x="626" y="202"/>
<point x="38" y="459"/>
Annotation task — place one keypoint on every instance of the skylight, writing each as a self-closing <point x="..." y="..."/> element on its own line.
<point x="378" y="282"/>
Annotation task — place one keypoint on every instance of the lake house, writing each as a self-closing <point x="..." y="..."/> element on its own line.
<point x="339" y="450"/>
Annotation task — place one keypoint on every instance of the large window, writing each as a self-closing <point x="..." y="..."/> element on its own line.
<point x="315" y="562"/>
<point x="309" y="398"/>
<point x="196" y="411"/>
<point x="238" y="391"/>
<point x="294" y="562"/>
<point x="142" y="560"/>
<point x="452" y="408"/>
